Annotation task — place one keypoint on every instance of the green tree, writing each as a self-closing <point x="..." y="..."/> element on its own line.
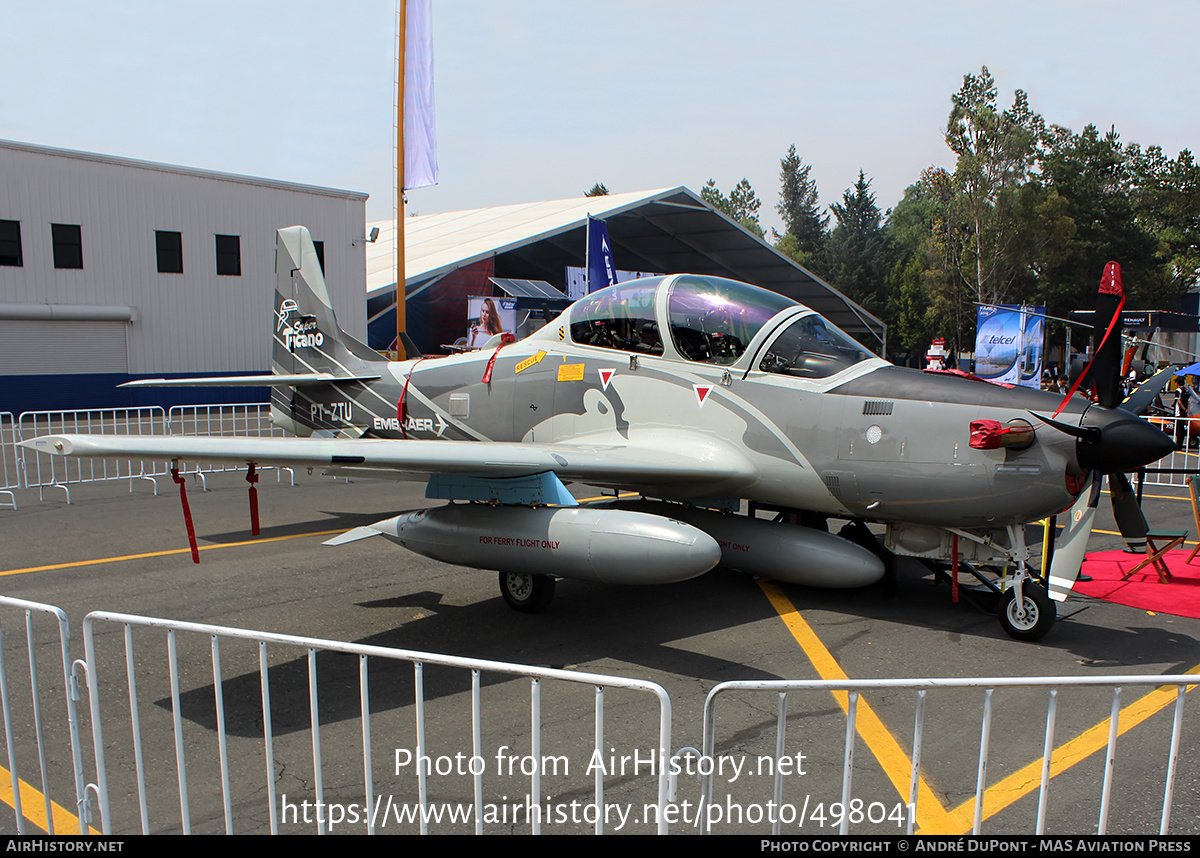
<point x="597" y="190"/>
<point x="1166" y="200"/>
<point x="798" y="207"/>
<point x="858" y="255"/>
<point x="1091" y="173"/>
<point x="911" y="316"/>
<point x="924" y="298"/>
<point x="996" y="152"/>
<point x="741" y="205"/>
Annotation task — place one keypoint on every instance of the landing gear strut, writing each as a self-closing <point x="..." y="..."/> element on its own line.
<point x="529" y="594"/>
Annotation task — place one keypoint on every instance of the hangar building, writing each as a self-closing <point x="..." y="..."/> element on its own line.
<point x="113" y="269"/>
<point x="452" y="256"/>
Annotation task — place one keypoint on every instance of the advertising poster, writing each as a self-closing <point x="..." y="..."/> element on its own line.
<point x="1009" y="344"/>
<point x="487" y="317"/>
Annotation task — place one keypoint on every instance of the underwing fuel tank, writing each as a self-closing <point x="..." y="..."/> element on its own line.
<point x="611" y="546"/>
<point x="785" y="552"/>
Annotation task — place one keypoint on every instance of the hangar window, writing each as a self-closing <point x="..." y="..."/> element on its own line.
<point x="10" y="243"/>
<point x="169" y="247"/>
<point x="68" y="245"/>
<point x="714" y="319"/>
<point x="229" y="255"/>
<point x="812" y="348"/>
<point x="620" y="317"/>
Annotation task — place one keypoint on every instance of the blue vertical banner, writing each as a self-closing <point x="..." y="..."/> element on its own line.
<point x="1009" y="344"/>
<point x="600" y="267"/>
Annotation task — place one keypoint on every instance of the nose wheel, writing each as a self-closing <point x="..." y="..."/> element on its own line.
<point x="529" y="594"/>
<point x="1030" y="617"/>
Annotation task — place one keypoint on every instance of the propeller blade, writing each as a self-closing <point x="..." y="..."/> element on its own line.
<point x="1106" y="335"/>
<point x="1069" y="551"/>
<point x="1114" y="440"/>
<point x="1102" y="373"/>
<point x="1090" y="434"/>
<point x="1140" y="399"/>
<point x="1130" y="519"/>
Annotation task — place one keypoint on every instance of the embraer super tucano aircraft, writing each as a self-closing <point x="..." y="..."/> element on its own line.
<point x="699" y="393"/>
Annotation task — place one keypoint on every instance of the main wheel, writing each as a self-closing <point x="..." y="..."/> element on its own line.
<point x="529" y="594"/>
<point x="1040" y="613"/>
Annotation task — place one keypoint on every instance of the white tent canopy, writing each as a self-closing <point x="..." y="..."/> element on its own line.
<point x="668" y="231"/>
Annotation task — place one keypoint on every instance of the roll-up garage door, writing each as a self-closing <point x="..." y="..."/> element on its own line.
<point x="41" y="347"/>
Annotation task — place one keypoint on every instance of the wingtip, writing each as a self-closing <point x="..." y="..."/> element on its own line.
<point x="54" y="445"/>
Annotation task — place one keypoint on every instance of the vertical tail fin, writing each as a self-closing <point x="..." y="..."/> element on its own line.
<point x="306" y="336"/>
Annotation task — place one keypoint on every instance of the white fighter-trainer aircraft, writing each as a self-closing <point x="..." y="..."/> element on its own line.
<point x="698" y="393"/>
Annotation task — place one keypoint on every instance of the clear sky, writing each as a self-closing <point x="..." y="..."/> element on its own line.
<point x="539" y="99"/>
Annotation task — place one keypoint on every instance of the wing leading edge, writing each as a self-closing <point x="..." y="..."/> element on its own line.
<point x="679" y="465"/>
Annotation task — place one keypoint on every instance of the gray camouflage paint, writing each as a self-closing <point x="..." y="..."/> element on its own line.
<point x="812" y="443"/>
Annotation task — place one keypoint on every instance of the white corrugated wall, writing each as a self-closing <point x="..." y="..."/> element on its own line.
<point x="195" y="322"/>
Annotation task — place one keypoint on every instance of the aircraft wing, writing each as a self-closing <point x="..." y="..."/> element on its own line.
<point x="271" y="379"/>
<point x="691" y="466"/>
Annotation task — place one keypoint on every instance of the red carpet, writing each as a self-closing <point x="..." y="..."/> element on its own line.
<point x="1142" y="590"/>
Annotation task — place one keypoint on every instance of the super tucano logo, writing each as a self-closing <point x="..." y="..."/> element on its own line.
<point x="303" y="333"/>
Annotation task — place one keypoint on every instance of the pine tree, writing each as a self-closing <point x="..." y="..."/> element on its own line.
<point x="858" y="254"/>
<point x="741" y="205"/>
<point x="798" y="204"/>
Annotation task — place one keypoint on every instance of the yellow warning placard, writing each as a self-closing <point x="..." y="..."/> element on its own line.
<point x="532" y="360"/>
<point x="570" y="372"/>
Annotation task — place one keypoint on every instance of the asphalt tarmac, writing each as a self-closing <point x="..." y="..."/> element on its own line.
<point x="122" y="550"/>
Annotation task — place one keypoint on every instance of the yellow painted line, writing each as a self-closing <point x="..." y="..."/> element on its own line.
<point x="33" y="807"/>
<point x="168" y="552"/>
<point x="99" y="560"/>
<point x="1118" y="533"/>
<point x="1162" y="497"/>
<point x="1020" y="784"/>
<point x="896" y="763"/>
<point x="932" y="817"/>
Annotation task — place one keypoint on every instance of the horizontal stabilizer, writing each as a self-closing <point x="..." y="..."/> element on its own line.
<point x="296" y="380"/>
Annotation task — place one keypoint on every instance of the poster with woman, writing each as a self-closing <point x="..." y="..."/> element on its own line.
<point x="487" y="317"/>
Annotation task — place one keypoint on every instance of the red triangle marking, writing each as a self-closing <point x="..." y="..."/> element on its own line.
<point x="702" y="392"/>
<point x="605" y="377"/>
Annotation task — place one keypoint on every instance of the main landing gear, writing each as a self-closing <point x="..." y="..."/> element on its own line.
<point x="529" y="594"/>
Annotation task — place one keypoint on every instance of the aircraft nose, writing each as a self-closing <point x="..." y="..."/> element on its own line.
<point x="1126" y="443"/>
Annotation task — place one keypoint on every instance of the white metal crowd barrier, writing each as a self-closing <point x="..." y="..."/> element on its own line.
<point x="137" y="718"/>
<point x="44" y="471"/>
<point x="10" y="460"/>
<point x="222" y="640"/>
<point x="22" y="468"/>
<point x="1174" y="469"/>
<point x="45" y="748"/>
<point x="853" y="689"/>
<point x="241" y="420"/>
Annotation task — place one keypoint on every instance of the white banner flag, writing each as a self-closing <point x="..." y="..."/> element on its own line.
<point x="420" y="131"/>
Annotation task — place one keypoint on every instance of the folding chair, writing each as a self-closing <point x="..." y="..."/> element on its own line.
<point x="1191" y="481"/>
<point x="1159" y="542"/>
